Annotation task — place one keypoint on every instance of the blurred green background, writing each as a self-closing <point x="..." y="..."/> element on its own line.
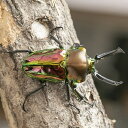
<point x="103" y="26"/>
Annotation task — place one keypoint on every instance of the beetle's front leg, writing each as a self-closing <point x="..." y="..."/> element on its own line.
<point x="52" y="37"/>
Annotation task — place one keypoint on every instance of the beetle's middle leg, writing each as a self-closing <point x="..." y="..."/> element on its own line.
<point x="67" y="89"/>
<point x="78" y="95"/>
<point x="16" y="51"/>
<point x="52" y="37"/>
<point x="31" y="93"/>
<point x="68" y="96"/>
<point x="11" y="52"/>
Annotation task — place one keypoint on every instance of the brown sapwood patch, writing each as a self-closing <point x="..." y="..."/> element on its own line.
<point x="8" y="28"/>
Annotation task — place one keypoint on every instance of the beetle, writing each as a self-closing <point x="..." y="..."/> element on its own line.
<point x="58" y="65"/>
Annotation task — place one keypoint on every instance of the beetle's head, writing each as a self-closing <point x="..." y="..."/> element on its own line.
<point x="91" y="65"/>
<point x="92" y="70"/>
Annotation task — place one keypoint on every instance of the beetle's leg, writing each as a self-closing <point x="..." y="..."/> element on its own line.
<point x="67" y="89"/>
<point x="106" y="80"/>
<point x="78" y="95"/>
<point x="16" y="51"/>
<point x="68" y="95"/>
<point x="110" y="53"/>
<point x="76" y="45"/>
<point x="13" y="52"/>
<point x="52" y="37"/>
<point x="28" y="95"/>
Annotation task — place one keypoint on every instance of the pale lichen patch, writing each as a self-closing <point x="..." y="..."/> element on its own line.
<point x="8" y="28"/>
<point x="39" y="30"/>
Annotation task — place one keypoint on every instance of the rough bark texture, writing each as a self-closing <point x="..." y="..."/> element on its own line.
<point x="19" y="22"/>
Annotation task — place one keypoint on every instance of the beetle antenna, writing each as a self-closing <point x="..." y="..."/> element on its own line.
<point x="106" y="80"/>
<point x="110" y="53"/>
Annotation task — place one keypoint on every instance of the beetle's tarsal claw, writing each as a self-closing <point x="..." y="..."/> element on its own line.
<point x="23" y="107"/>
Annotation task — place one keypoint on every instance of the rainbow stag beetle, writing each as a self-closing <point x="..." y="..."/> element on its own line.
<point x="59" y="64"/>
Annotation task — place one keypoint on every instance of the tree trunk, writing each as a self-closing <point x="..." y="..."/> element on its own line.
<point x="25" y="24"/>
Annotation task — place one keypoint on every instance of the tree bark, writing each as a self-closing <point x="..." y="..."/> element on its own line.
<point x="24" y="25"/>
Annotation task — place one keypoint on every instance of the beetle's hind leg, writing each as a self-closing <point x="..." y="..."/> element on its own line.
<point x="52" y="37"/>
<point x="31" y="93"/>
<point x="110" y="53"/>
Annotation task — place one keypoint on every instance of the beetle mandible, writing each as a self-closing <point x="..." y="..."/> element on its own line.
<point x="58" y="65"/>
